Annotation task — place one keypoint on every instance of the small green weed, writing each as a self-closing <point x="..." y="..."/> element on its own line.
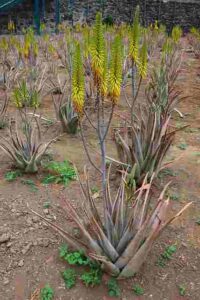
<point x="167" y="172"/>
<point x="182" y="290"/>
<point x="167" y="255"/>
<point x="94" y="189"/>
<point x="48" y="123"/>
<point x="113" y="288"/>
<point x="138" y="290"/>
<point x="3" y="124"/>
<point x="179" y="125"/>
<point x="46" y="293"/>
<point x="191" y="130"/>
<point x="92" y="278"/>
<point x="46" y="204"/>
<point x="12" y="175"/>
<point x="69" y="277"/>
<point x="73" y="257"/>
<point x="182" y="146"/>
<point x="108" y="162"/>
<point x="174" y="196"/>
<point x="64" y="173"/>
<point x="30" y="183"/>
<point x="196" y="153"/>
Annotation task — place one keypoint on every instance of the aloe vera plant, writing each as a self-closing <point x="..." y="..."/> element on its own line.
<point x="194" y="40"/>
<point x="24" y="145"/>
<point x="65" y="113"/>
<point x="143" y="146"/>
<point x="23" y="96"/>
<point x="122" y="239"/>
<point x="161" y="91"/>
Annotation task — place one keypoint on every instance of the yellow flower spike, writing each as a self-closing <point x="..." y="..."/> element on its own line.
<point x="46" y="37"/>
<point x="26" y="50"/>
<point x="78" y="85"/>
<point x="12" y="41"/>
<point x="11" y="26"/>
<point x="51" y="49"/>
<point x="156" y="27"/>
<point x="86" y="41"/>
<point x="4" y="44"/>
<point x="115" y="75"/>
<point x="177" y="33"/>
<point x="98" y="50"/>
<point x="78" y="27"/>
<point x="42" y="27"/>
<point x="167" y="46"/>
<point x="104" y="82"/>
<point x="142" y="66"/>
<point x="135" y="37"/>
<point x="195" y="32"/>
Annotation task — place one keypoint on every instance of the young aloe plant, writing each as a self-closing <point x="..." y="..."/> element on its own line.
<point x="23" y="96"/>
<point x="194" y="39"/>
<point x="161" y="91"/>
<point x="143" y="146"/>
<point x="65" y="113"/>
<point x="24" y="145"/>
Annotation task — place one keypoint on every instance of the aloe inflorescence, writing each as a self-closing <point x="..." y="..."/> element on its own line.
<point x="78" y="89"/>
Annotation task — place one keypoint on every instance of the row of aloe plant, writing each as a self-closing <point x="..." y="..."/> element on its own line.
<point x="121" y="237"/>
<point x="111" y="60"/>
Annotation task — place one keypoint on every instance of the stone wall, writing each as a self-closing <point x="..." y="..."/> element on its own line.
<point x="170" y="12"/>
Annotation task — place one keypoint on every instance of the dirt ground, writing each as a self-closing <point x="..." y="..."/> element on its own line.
<point x="29" y="248"/>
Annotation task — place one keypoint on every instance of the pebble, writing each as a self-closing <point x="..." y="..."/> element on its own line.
<point x="29" y="221"/>
<point x="46" y="211"/>
<point x="4" y="238"/>
<point x="9" y="245"/>
<point x="26" y="248"/>
<point x="13" y="251"/>
<point x="35" y="219"/>
<point x="5" y="281"/>
<point x="21" y="263"/>
<point x="43" y="242"/>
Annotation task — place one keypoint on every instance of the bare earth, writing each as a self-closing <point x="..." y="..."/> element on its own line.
<point x="29" y="249"/>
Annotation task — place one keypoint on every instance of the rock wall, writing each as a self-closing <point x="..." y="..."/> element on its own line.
<point x="170" y="12"/>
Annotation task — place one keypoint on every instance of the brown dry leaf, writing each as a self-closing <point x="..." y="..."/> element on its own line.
<point x="35" y="295"/>
<point x="95" y="195"/>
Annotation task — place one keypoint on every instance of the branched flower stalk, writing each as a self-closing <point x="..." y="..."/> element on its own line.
<point x="107" y="83"/>
<point x="121" y="237"/>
